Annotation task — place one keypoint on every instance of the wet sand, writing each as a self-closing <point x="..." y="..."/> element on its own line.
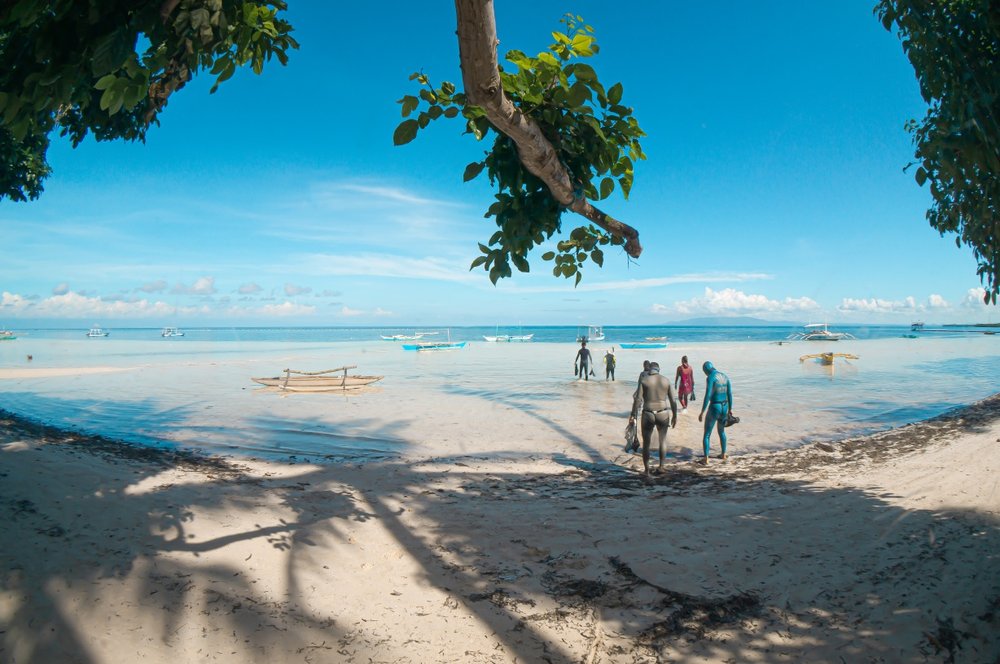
<point x="884" y="548"/>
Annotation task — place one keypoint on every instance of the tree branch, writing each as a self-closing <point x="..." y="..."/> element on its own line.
<point x="167" y="8"/>
<point x="477" y="49"/>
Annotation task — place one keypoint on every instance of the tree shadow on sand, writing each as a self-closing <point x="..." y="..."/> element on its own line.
<point x="587" y="564"/>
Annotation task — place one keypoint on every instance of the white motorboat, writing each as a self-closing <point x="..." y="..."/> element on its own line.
<point x="819" y="332"/>
<point x="594" y="333"/>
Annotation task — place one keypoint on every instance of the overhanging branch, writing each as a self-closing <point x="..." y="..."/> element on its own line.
<point x="477" y="48"/>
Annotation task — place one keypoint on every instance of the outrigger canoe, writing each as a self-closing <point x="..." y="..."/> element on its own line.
<point x="317" y="381"/>
<point x="644" y="345"/>
<point x="435" y="345"/>
<point x="827" y="358"/>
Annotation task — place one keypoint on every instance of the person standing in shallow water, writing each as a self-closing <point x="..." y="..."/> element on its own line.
<point x="684" y="382"/>
<point x="718" y="402"/>
<point x="609" y="364"/>
<point x="583" y="361"/>
<point x="654" y="393"/>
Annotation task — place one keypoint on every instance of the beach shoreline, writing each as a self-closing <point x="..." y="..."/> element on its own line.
<point x="875" y="548"/>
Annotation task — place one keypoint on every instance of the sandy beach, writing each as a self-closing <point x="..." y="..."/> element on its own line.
<point x="876" y="549"/>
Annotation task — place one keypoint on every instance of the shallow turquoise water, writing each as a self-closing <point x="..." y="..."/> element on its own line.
<point x="488" y="399"/>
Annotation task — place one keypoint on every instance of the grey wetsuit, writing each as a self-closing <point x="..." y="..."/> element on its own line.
<point x="656" y="396"/>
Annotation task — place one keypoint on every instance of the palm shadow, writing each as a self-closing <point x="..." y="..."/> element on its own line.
<point x="557" y="567"/>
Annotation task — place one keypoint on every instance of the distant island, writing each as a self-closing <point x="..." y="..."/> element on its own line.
<point x="971" y="325"/>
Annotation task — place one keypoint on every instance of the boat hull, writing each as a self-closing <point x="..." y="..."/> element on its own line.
<point x="317" y="383"/>
<point x="648" y="345"/>
<point x="506" y="338"/>
<point x="435" y="345"/>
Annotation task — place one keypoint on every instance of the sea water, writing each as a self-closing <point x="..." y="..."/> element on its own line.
<point x="488" y="399"/>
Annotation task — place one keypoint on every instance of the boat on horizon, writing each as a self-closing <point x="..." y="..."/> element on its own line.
<point x="416" y="336"/>
<point x="7" y="335"/>
<point x="594" y="333"/>
<point x="643" y="345"/>
<point x="509" y="338"/>
<point x="317" y="381"/>
<point x="819" y="332"/>
<point x="171" y="332"/>
<point x="97" y="332"/>
<point x="435" y="345"/>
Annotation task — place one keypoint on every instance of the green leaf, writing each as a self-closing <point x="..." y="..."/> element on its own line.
<point x="607" y="186"/>
<point x="477" y="262"/>
<point x="921" y="176"/>
<point x="615" y="94"/>
<point x="107" y="99"/>
<point x="579" y="276"/>
<point x="451" y="112"/>
<point x="582" y="44"/>
<point x="472" y="170"/>
<point x="409" y="103"/>
<point x="520" y="263"/>
<point x="548" y="255"/>
<point x="405" y="132"/>
<point x="105" y="82"/>
<point x="598" y="257"/>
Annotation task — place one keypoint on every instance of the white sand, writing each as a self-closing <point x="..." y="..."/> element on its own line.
<point x="878" y="549"/>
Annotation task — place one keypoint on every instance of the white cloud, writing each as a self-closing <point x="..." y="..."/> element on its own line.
<point x="974" y="299"/>
<point x="392" y="194"/>
<point x="347" y="311"/>
<point x="875" y="305"/>
<point x="732" y="301"/>
<point x="291" y="290"/>
<point x="286" y="308"/>
<point x="61" y="289"/>
<point x="203" y="286"/>
<point x="157" y="286"/>
<point x="77" y="305"/>
<point x="13" y="301"/>
<point x="935" y="301"/>
<point x="637" y="284"/>
<point x="249" y="289"/>
<point x="379" y="311"/>
<point x="385" y="265"/>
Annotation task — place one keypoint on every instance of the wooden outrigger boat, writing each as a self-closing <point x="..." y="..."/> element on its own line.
<point x="318" y="381"/>
<point x="435" y="345"/>
<point x="643" y="345"/>
<point x="509" y="338"/>
<point x="827" y="358"/>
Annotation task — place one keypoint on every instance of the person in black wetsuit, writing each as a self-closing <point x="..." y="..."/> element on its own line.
<point x="609" y="364"/>
<point x="583" y="361"/>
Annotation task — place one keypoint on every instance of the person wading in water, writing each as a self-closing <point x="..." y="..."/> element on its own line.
<point x="654" y="393"/>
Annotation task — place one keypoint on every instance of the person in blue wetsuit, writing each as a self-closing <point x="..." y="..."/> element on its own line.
<point x="718" y="401"/>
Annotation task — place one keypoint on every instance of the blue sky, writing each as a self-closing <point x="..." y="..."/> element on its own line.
<point x="773" y="187"/>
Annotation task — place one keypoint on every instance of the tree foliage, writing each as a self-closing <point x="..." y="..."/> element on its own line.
<point x="594" y="135"/>
<point x="108" y="67"/>
<point x="954" y="47"/>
